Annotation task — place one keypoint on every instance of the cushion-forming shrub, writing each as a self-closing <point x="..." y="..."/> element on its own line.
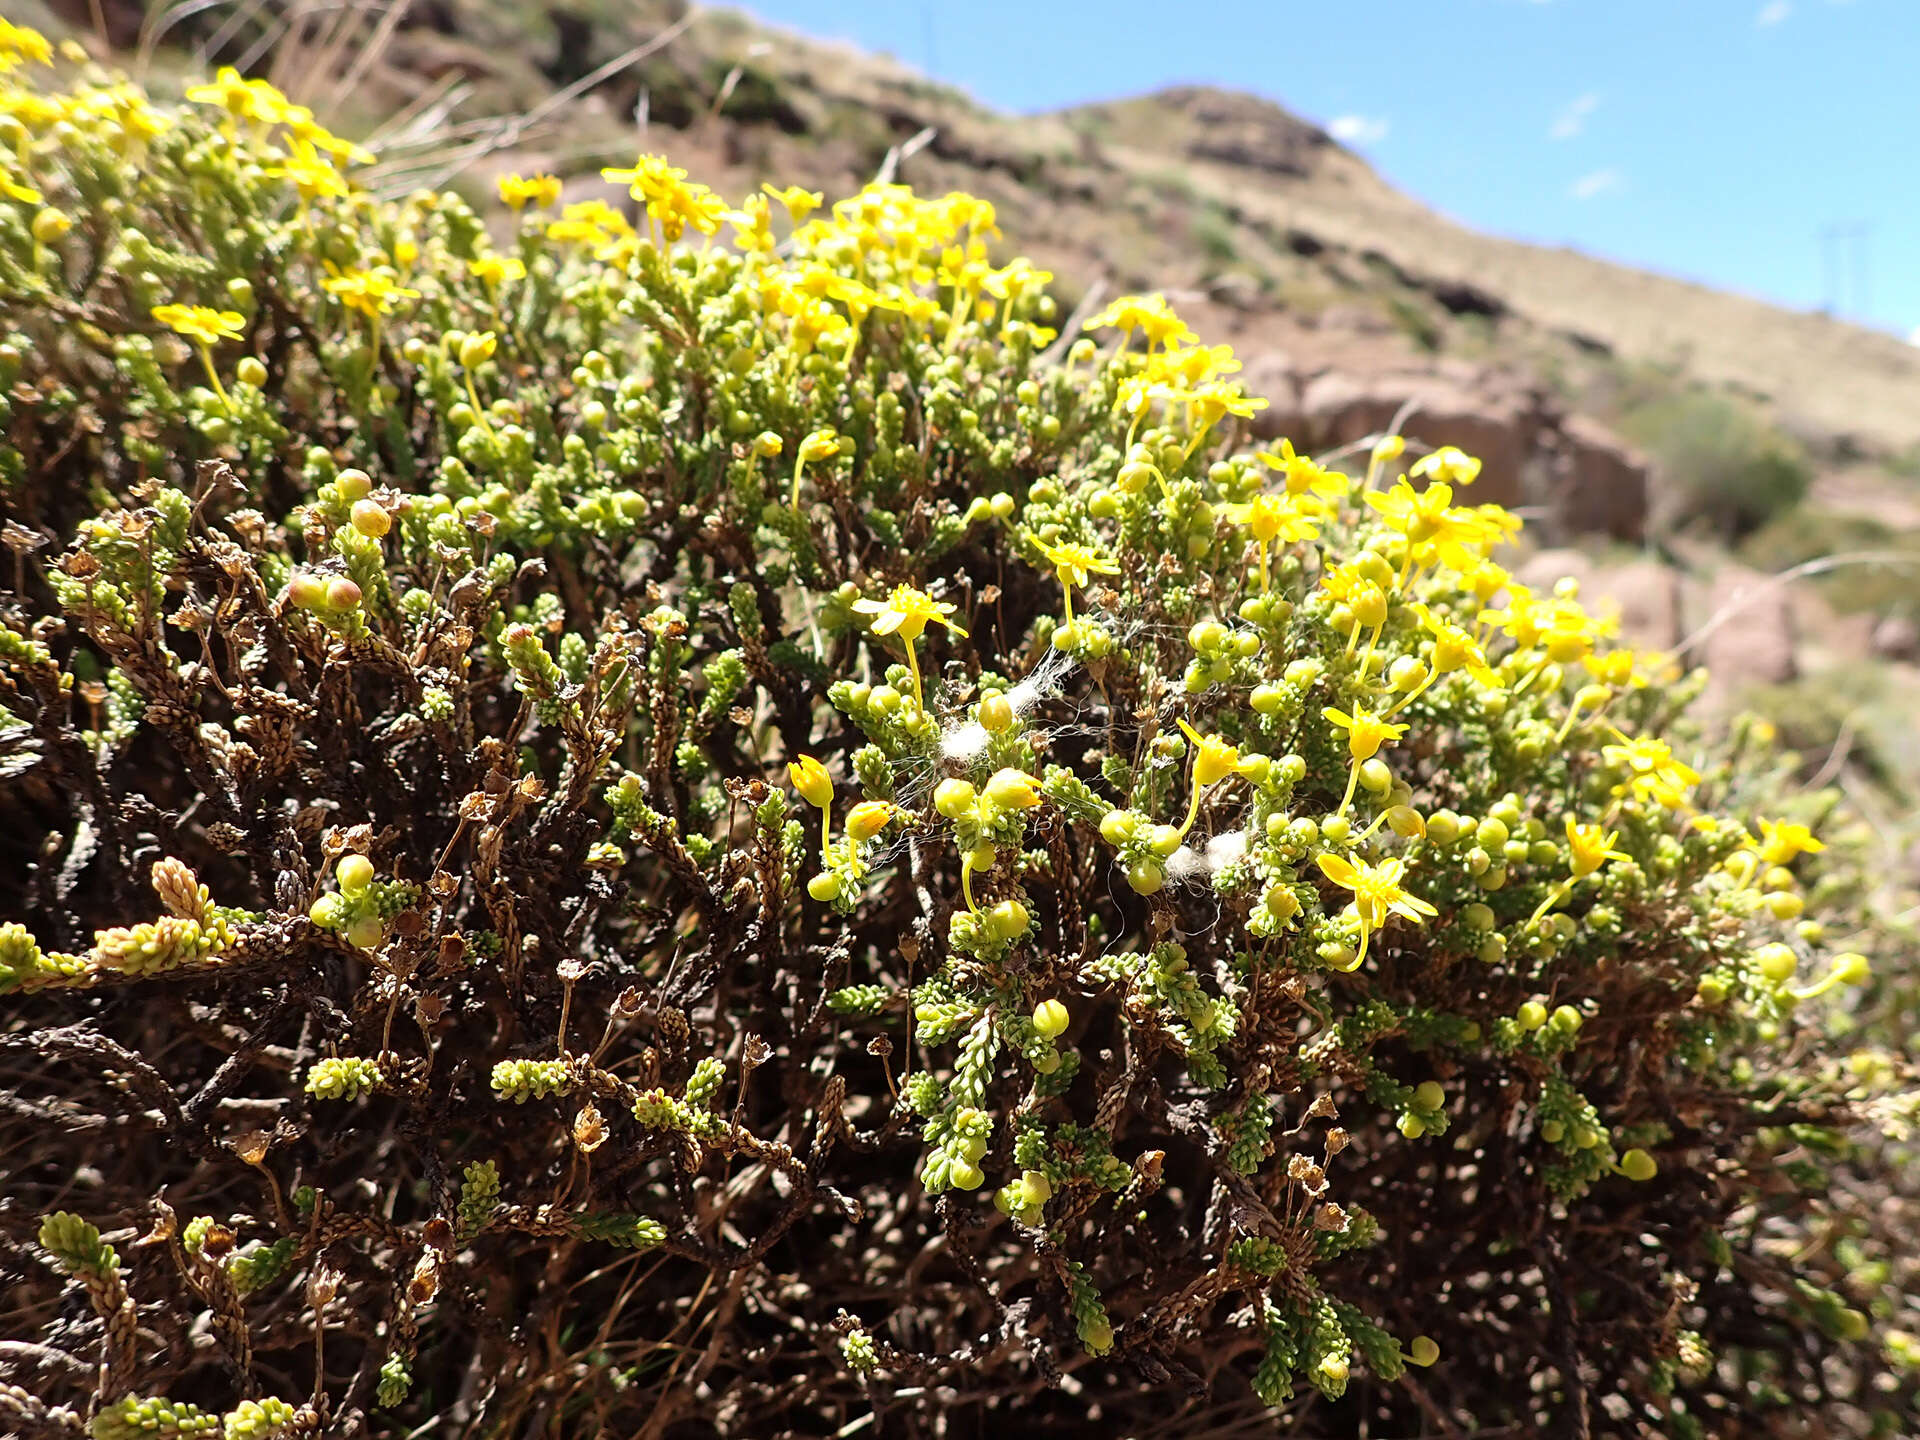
<point x="675" y="815"/>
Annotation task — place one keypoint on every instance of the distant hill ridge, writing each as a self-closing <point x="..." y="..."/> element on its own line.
<point x="1281" y="238"/>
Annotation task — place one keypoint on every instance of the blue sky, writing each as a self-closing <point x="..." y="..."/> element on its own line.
<point x="1766" y="146"/>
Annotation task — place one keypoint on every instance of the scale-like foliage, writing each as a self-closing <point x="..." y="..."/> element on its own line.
<point x="683" y="816"/>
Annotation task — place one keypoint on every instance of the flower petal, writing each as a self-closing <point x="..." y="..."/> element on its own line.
<point x="1338" y="869"/>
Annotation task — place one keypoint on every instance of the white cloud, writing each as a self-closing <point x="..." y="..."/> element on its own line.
<point x="1914" y="338"/>
<point x="1773" y="12"/>
<point x="1359" y="129"/>
<point x="1572" y="118"/>
<point x="1598" y="182"/>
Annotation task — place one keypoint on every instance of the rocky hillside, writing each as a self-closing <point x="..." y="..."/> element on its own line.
<point x="1294" y="243"/>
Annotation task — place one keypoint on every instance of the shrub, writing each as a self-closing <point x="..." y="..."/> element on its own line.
<point x="1719" y="463"/>
<point x="1242" y="934"/>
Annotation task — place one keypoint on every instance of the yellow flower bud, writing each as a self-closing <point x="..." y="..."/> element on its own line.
<point x="868" y="819"/>
<point x="1423" y="1350"/>
<point x="953" y="798"/>
<point x="354" y="872"/>
<point x="1008" y="921"/>
<point x="50" y="224"/>
<point x="1013" y="790"/>
<point x="1776" y="961"/>
<point x="820" y="445"/>
<point x="1405" y="822"/>
<point x="1851" y="968"/>
<point x="1639" y="1165"/>
<point x="1050" y="1018"/>
<point x="810" y="778"/>
<point x="996" y="714"/>
<point x="307" y="591"/>
<point x="476" y="350"/>
<point x="370" y="518"/>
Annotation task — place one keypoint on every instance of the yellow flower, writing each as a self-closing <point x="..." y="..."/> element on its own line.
<point x="312" y="173"/>
<point x="753" y="227"/>
<point x="1304" y="475"/>
<point x="1148" y="314"/>
<point x="1366" y="732"/>
<point x="650" y="178"/>
<point x="226" y="90"/>
<point x="1075" y="564"/>
<point x="18" y="45"/>
<point x="1781" y="841"/>
<point x="1427" y="518"/>
<point x="1449" y="464"/>
<point x="799" y="203"/>
<point x="520" y="191"/>
<point x="244" y="99"/>
<point x="1591" y="847"/>
<point x="492" y="270"/>
<point x="372" y="293"/>
<point x="1454" y="648"/>
<point x="301" y="123"/>
<point x="1377" y="894"/>
<point x="588" y="222"/>
<point x="1652" y="771"/>
<point x="907" y="612"/>
<point x="201" y="323"/>
<point x="1215" y="759"/>
<point x="810" y="778"/>
<point x="1272" y="517"/>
